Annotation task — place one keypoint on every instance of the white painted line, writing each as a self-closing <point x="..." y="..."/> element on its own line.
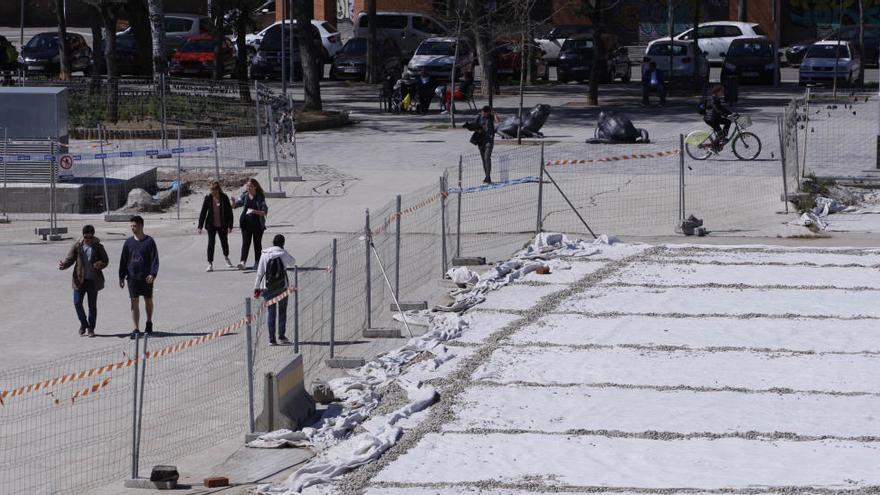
<point x="791" y="257"/>
<point x="755" y="275"/>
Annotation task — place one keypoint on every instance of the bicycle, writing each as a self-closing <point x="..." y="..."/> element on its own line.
<point x="700" y="145"/>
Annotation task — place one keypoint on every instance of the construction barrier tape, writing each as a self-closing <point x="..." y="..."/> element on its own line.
<point x="171" y="349"/>
<point x="494" y="185"/>
<point x="406" y="211"/>
<point x="639" y="156"/>
<point x="113" y="154"/>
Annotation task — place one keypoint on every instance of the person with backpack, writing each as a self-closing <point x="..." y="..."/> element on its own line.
<point x="271" y="282"/>
<point x="715" y="115"/>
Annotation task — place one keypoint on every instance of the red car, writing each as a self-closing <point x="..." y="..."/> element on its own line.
<point x="196" y="57"/>
<point x="509" y="60"/>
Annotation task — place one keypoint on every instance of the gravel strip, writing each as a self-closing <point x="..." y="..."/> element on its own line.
<point x="688" y="388"/>
<point x="669" y="435"/>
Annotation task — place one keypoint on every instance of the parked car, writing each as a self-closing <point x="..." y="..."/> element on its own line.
<point x="551" y="43"/>
<point x="751" y="59"/>
<point x="794" y="54"/>
<point x="818" y="65"/>
<point x="684" y="59"/>
<point x="330" y="38"/>
<point x="41" y="54"/>
<point x="578" y="53"/>
<point x="351" y="61"/>
<point x="178" y="29"/>
<point x="715" y="37"/>
<point x="407" y="29"/>
<point x="508" y="58"/>
<point x="196" y="57"/>
<point x="437" y="54"/>
<point x="8" y="55"/>
<point x="266" y="62"/>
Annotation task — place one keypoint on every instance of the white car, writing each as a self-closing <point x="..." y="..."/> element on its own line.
<point x="551" y="43"/>
<point x="715" y="37"/>
<point x="683" y="59"/>
<point x="436" y="55"/>
<point x="330" y="38"/>
<point x="818" y="65"/>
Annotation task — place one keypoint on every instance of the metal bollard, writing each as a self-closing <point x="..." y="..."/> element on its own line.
<point x="134" y="466"/>
<point x="333" y="300"/>
<point x="458" y="214"/>
<point x="368" y="320"/>
<point x="249" y="359"/>
<point x="296" y="309"/>
<point x="397" y="250"/>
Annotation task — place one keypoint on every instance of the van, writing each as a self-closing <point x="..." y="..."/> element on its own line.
<point x="407" y="29"/>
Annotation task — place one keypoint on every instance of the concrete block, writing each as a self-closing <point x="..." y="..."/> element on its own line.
<point x="322" y="392"/>
<point x="250" y="437"/>
<point x="286" y="404"/>
<point x="382" y="333"/>
<point x="117" y="217"/>
<point x="345" y="362"/>
<point x="289" y="178"/>
<point x="4" y="219"/>
<point x="45" y="231"/>
<point x="215" y="481"/>
<point x="469" y="261"/>
<point x="256" y="163"/>
<point x="410" y="305"/>
<point x="150" y="485"/>
<point x="275" y="194"/>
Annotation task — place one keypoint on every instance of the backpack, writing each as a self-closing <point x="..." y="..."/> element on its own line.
<point x="701" y="107"/>
<point x="276" y="275"/>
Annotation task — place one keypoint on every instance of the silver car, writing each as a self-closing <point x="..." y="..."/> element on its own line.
<point x="683" y="58"/>
<point x="436" y="55"/>
<point x="829" y="60"/>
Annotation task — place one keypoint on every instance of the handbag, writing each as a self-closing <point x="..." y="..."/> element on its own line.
<point x="477" y="138"/>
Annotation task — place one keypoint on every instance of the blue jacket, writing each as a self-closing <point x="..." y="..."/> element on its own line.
<point x="139" y="259"/>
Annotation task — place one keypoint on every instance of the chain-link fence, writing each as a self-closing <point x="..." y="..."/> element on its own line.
<point x="839" y="135"/>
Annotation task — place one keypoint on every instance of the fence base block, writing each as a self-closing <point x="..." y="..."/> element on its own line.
<point x="250" y="437"/>
<point x="150" y="485"/>
<point x="4" y="219"/>
<point x="469" y="261"/>
<point x="289" y="178"/>
<point x="410" y="306"/>
<point x="345" y="362"/>
<point x="117" y="217"/>
<point x="256" y="163"/>
<point x="382" y="333"/>
<point x="275" y="194"/>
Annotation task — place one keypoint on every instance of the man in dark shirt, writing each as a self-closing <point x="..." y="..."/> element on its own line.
<point x="139" y="263"/>
<point x="486" y="122"/>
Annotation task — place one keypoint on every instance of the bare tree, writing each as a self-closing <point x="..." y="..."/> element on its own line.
<point x="311" y="55"/>
<point x="139" y="20"/>
<point x="63" y="49"/>
<point x="157" y="37"/>
<point x="372" y="74"/>
<point x="596" y="10"/>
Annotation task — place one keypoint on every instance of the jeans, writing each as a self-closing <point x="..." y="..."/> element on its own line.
<point x="246" y="237"/>
<point x="86" y="290"/>
<point x="281" y="306"/>
<point x="486" y="156"/>
<point x="659" y="89"/>
<point x="224" y="242"/>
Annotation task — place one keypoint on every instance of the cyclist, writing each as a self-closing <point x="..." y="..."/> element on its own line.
<point x="716" y="116"/>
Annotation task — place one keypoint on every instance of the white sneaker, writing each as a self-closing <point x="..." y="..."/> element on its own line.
<point x="210" y="268"/>
<point x="240" y="266"/>
<point x="228" y="263"/>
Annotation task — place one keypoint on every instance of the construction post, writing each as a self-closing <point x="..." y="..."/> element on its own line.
<point x="681" y="209"/>
<point x="216" y="154"/>
<point x="162" y="103"/>
<point x="143" y="358"/>
<point x="134" y="388"/>
<point x="296" y="309"/>
<point x="249" y="359"/>
<point x="397" y="249"/>
<point x="104" y="170"/>
<point x="458" y="213"/>
<point x="539" y="225"/>
<point x="368" y="320"/>
<point x="179" y="182"/>
<point x="257" y="112"/>
<point x="443" y="194"/>
<point x="333" y="299"/>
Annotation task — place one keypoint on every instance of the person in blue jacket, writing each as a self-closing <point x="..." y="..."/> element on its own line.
<point x="139" y="264"/>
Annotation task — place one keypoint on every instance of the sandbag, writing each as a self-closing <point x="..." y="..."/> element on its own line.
<point x="532" y="123"/>
<point x="614" y="127"/>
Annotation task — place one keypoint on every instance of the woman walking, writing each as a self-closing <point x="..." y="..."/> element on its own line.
<point x="216" y="218"/>
<point x="252" y="221"/>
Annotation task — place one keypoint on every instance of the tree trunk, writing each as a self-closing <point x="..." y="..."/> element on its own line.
<point x="742" y="14"/>
<point x="482" y="28"/>
<point x="698" y="83"/>
<point x="598" y="52"/>
<point x="109" y="20"/>
<point x="95" y="24"/>
<point x="139" y="19"/>
<point x="241" y="23"/>
<point x="862" y="40"/>
<point x="63" y="52"/>
<point x="157" y="24"/>
<point x="310" y="54"/>
<point x="217" y="39"/>
<point x="372" y="74"/>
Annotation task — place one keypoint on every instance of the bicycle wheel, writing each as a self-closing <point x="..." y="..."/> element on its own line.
<point x="746" y="146"/>
<point x="698" y="145"/>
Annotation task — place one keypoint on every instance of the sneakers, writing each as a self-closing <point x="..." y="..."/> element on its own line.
<point x="134" y="334"/>
<point x="82" y="330"/>
<point x="228" y="263"/>
<point x="240" y="266"/>
<point x="148" y="328"/>
<point x="283" y="340"/>
<point x="272" y="343"/>
<point x="210" y="268"/>
<point x="91" y="332"/>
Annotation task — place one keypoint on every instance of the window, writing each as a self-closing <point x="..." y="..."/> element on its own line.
<point x="664" y="50"/>
<point x="572" y="45"/>
<point x="177" y="25"/>
<point x="385" y="21"/>
<point x="197" y="46"/>
<point x="355" y="46"/>
<point x="436" y="48"/>
<point x="750" y="49"/>
<point x="44" y="42"/>
<point x="827" y="51"/>
<point x="728" y="32"/>
<point x="759" y="31"/>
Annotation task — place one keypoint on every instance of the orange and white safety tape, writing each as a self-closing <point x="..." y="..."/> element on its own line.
<point x="639" y="156"/>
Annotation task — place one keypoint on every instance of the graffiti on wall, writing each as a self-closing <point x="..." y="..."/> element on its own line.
<point x="827" y="12"/>
<point x="344" y="9"/>
<point x="652" y="16"/>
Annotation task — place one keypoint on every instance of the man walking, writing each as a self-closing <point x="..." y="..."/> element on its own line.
<point x="652" y="80"/>
<point x="139" y="263"/>
<point x="486" y="122"/>
<point x="88" y="258"/>
<point x="271" y="282"/>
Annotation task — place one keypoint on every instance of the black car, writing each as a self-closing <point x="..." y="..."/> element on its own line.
<point x="267" y="60"/>
<point x="576" y="59"/>
<point x="128" y="58"/>
<point x="751" y="59"/>
<point x="794" y="54"/>
<point x="351" y="61"/>
<point x="41" y="54"/>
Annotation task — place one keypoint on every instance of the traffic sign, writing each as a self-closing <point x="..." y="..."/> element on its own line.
<point x="65" y="166"/>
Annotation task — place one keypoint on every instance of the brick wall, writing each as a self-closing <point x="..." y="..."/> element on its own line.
<point x="760" y="12"/>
